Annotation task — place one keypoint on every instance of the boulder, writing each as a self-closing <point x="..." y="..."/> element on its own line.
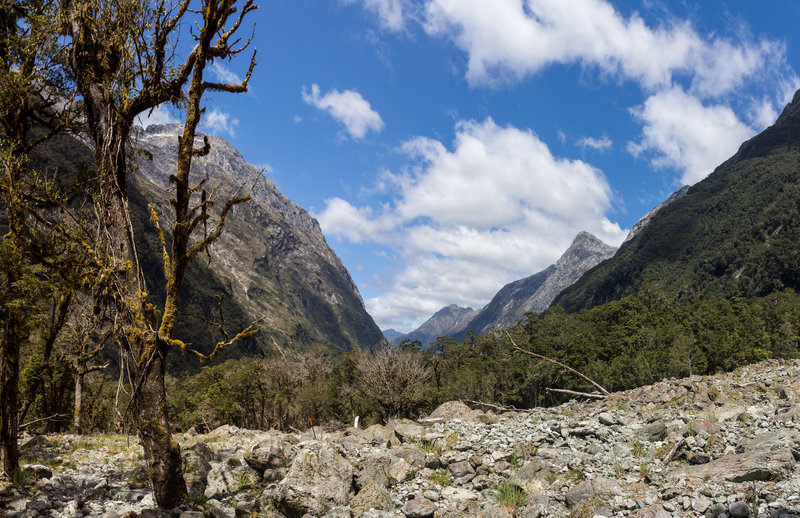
<point x="457" y="410"/>
<point x="379" y="434"/>
<point x="599" y="488"/>
<point x="196" y="465"/>
<point x="374" y="469"/>
<point x="371" y="496"/>
<point x="228" y="478"/>
<point x="419" y="508"/>
<point x="319" y="479"/>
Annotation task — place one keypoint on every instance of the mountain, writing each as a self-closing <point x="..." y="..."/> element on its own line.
<point x="537" y="292"/>
<point x="271" y="262"/>
<point x="447" y="321"/>
<point x="392" y="335"/>
<point x="639" y="225"/>
<point x="737" y="232"/>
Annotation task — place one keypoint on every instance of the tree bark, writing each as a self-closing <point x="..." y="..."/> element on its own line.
<point x="9" y="374"/>
<point x="78" y="398"/>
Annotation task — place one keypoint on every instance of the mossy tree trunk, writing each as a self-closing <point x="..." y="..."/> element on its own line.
<point x="108" y="42"/>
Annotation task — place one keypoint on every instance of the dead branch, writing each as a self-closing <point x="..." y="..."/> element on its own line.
<point x="54" y="417"/>
<point x="593" y="395"/>
<point x="674" y="452"/>
<point x="554" y="362"/>
<point x="498" y="407"/>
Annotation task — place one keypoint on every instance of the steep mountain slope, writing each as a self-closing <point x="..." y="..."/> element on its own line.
<point x="536" y="293"/>
<point x="272" y="261"/>
<point x="449" y="321"/>
<point x="644" y="220"/>
<point x="736" y="232"/>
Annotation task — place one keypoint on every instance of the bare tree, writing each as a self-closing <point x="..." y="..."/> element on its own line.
<point x="393" y="379"/>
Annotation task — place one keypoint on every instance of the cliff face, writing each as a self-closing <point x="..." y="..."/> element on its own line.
<point x="271" y="262"/>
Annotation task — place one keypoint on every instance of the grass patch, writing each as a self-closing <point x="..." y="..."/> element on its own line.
<point x="442" y="477"/>
<point x="510" y="496"/>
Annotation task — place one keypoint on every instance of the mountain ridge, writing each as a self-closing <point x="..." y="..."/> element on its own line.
<point x="734" y="233"/>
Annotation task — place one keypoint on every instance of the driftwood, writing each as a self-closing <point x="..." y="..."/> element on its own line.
<point x="593" y="395"/>
<point x="554" y="362"/>
<point x="674" y="452"/>
<point x="498" y="407"/>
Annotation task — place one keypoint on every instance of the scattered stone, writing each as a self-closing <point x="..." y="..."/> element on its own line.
<point x="419" y="508"/>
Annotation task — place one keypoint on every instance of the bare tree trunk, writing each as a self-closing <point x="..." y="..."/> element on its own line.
<point x="9" y="379"/>
<point x="78" y="397"/>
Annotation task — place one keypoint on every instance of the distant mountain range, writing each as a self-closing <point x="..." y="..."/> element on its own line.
<point x="509" y="305"/>
<point x="736" y="233"/>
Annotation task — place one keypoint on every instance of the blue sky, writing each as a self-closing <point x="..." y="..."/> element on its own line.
<point x="448" y="147"/>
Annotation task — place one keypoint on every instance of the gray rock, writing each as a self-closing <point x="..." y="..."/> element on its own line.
<point x="374" y="469"/>
<point x="319" y="479"/>
<point x="371" y="496"/>
<point x="739" y="510"/>
<point x="419" y="508"/>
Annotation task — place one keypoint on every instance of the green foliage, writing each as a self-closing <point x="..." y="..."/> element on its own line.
<point x="442" y="477"/>
<point x="638" y="448"/>
<point x="733" y="234"/>
<point x="510" y="495"/>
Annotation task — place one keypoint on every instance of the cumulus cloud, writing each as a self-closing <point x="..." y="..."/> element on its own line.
<point x="494" y="207"/>
<point x="598" y="144"/>
<point x="349" y="108"/>
<point x="683" y="133"/>
<point x="511" y="39"/>
<point x="219" y="122"/>
<point x="161" y="114"/>
<point x="391" y="13"/>
<point x="223" y="74"/>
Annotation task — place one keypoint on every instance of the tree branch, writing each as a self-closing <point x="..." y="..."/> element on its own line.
<point x="554" y="362"/>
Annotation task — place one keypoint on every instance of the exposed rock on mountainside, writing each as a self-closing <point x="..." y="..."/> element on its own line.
<point x="714" y="446"/>
<point x="271" y="262"/>
<point x="537" y="292"/>
<point x="735" y="232"/>
<point x="448" y="321"/>
<point x="639" y="225"/>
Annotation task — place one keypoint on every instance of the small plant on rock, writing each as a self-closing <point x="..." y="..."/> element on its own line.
<point x="510" y="496"/>
<point x="638" y="448"/>
<point x="575" y="475"/>
<point x="427" y="446"/>
<point x="442" y="477"/>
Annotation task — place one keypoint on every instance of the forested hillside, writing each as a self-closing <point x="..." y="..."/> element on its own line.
<point x="734" y="233"/>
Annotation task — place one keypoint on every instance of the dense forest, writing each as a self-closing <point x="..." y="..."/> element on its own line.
<point x="623" y="344"/>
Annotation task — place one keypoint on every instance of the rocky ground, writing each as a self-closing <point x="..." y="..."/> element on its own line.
<point x="716" y="446"/>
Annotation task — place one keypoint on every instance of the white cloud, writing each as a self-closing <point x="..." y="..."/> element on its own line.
<point x="348" y="108"/>
<point x="680" y="132"/>
<point x="510" y="39"/>
<point x="161" y="114"/>
<point x="496" y="207"/>
<point x="598" y="144"/>
<point x="391" y="13"/>
<point x="223" y="74"/>
<point x="218" y="121"/>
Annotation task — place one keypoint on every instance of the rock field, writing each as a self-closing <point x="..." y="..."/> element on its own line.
<point x="712" y="446"/>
